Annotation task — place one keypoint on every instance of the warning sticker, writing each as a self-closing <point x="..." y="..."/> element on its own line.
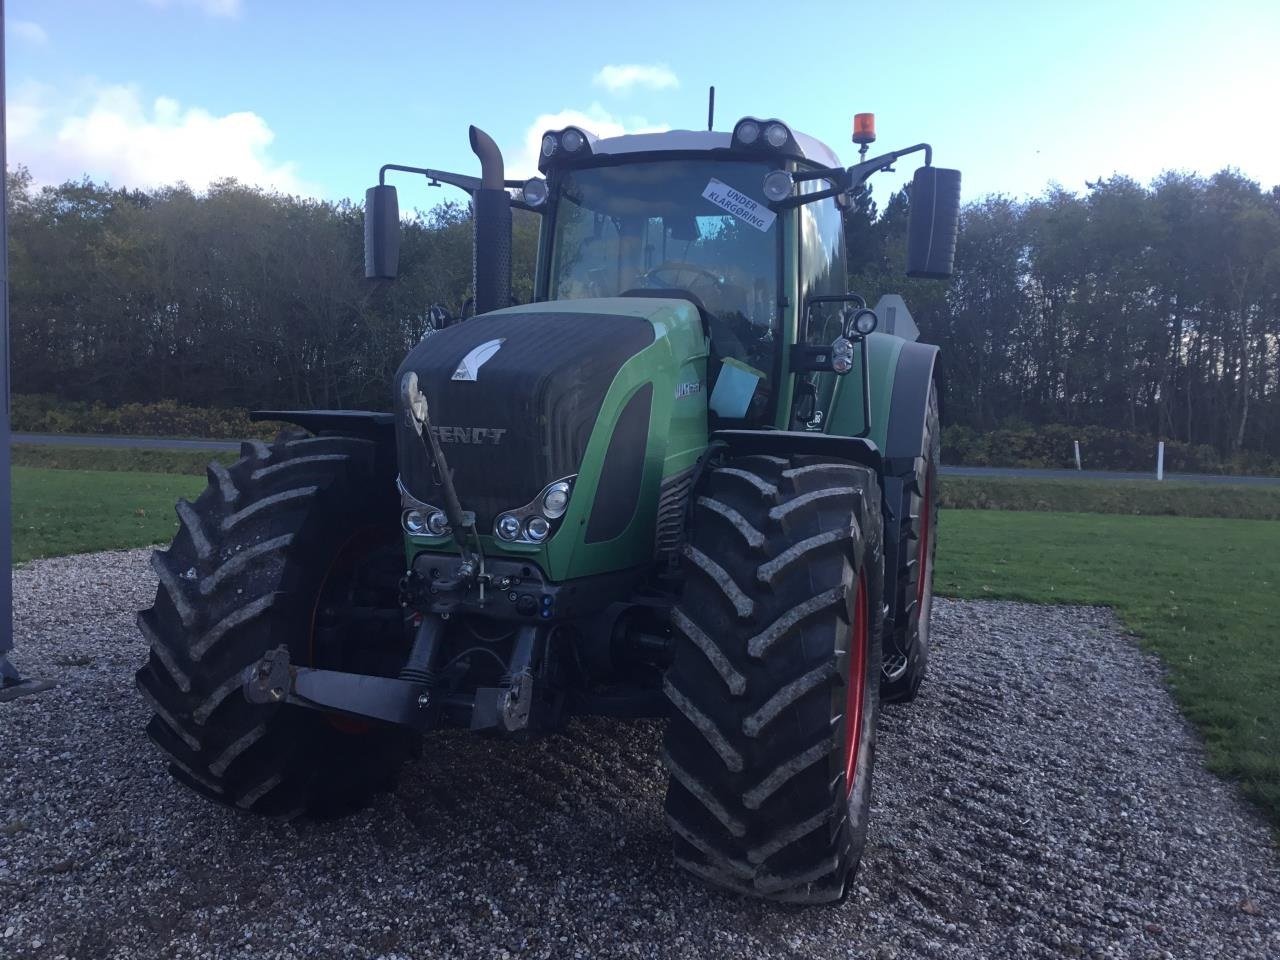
<point x="741" y="206"/>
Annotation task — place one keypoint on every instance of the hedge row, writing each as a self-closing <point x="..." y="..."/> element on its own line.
<point x="41" y="413"/>
<point x="1100" y="449"/>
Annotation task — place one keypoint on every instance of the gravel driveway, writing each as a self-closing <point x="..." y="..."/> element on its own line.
<point x="1042" y="799"/>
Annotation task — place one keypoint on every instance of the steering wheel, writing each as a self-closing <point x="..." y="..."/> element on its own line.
<point x="676" y="268"/>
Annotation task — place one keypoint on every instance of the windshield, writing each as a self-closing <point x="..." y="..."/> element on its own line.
<point x="695" y="225"/>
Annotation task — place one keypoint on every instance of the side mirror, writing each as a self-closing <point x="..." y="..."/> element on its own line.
<point x="934" y="224"/>
<point x="381" y="233"/>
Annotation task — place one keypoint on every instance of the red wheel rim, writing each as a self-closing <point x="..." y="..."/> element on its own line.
<point x="853" y="702"/>
<point x="926" y="531"/>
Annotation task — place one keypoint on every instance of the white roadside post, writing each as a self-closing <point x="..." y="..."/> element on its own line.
<point x="1160" y="461"/>
<point x="1076" y="444"/>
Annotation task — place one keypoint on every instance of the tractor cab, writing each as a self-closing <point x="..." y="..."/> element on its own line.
<point x="684" y="212"/>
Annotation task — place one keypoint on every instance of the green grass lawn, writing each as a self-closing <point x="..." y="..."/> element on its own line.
<point x="1202" y="593"/>
<point x="130" y="459"/>
<point x="57" y="512"/>
<point x="1133" y="497"/>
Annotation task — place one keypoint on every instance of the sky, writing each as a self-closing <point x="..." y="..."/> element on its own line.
<point x="312" y="97"/>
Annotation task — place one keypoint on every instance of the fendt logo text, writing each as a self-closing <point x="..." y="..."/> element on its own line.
<point x="469" y="434"/>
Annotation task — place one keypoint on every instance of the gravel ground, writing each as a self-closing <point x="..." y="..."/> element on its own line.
<point x="1043" y="798"/>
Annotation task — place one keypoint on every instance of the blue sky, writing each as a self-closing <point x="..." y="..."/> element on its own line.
<point x="313" y="96"/>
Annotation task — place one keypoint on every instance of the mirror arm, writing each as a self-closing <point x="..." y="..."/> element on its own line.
<point x="847" y="181"/>
<point x="437" y="177"/>
<point x="459" y="180"/>
<point x="857" y="174"/>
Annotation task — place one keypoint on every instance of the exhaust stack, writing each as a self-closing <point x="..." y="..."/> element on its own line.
<point x="491" y="259"/>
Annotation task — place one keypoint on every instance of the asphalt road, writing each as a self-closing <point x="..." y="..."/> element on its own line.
<point x="174" y="443"/>
<point x="139" y="443"/>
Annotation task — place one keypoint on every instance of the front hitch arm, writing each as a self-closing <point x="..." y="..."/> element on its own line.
<point x="273" y="679"/>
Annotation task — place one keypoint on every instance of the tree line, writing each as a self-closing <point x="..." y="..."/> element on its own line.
<point x="1150" y="309"/>
<point x="1154" y="308"/>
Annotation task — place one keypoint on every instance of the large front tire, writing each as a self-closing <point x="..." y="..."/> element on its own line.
<point x="245" y="574"/>
<point x="775" y="682"/>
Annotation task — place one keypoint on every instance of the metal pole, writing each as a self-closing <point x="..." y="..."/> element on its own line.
<point x="1076" y="443"/>
<point x="1160" y="461"/>
<point x="8" y="675"/>
<point x="11" y="683"/>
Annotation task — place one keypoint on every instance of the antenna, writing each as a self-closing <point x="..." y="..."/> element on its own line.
<point x="711" y="108"/>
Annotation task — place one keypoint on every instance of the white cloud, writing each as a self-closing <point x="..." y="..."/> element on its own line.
<point x="595" y="119"/>
<point x="110" y="133"/>
<point x="28" y="31"/>
<point x="214" y="8"/>
<point x="625" y="77"/>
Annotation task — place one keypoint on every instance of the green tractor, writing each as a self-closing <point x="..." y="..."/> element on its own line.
<point x="693" y="479"/>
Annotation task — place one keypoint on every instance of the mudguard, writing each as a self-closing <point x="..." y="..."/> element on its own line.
<point x="918" y="364"/>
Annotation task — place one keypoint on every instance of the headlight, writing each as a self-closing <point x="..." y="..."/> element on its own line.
<point x="778" y="184"/>
<point x="414" y="521"/>
<point x="556" y="500"/>
<point x="840" y="347"/>
<point x="438" y="524"/>
<point x="507" y="527"/>
<point x="865" y="321"/>
<point x="776" y="135"/>
<point x="748" y="132"/>
<point x="572" y="140"/>
<point x="535" y="192"/>
<point x="841" y="364"/>
<point x="548" y="145"/>
<point x="537" y="529"/>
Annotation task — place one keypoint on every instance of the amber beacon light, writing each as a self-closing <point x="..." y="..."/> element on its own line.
<point x="864" y="128"/>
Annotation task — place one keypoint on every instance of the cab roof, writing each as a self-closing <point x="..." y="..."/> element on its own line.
<point x="815" y="151"/>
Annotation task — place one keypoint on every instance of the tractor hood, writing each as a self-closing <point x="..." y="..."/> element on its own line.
<point x="513" y="397"/>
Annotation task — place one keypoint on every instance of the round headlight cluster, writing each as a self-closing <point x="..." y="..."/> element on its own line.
<point x="757" y="134"/>
<point x="841" y="355"/>
<point x="570" y="141"/>
<point x="425" y="523"/>
<point x="535" y="521"/>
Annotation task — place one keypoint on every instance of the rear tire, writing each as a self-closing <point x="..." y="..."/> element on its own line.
<point x="243" y="576"/>
<point x="778" y="644"/>
<point x="912" y="536"/>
